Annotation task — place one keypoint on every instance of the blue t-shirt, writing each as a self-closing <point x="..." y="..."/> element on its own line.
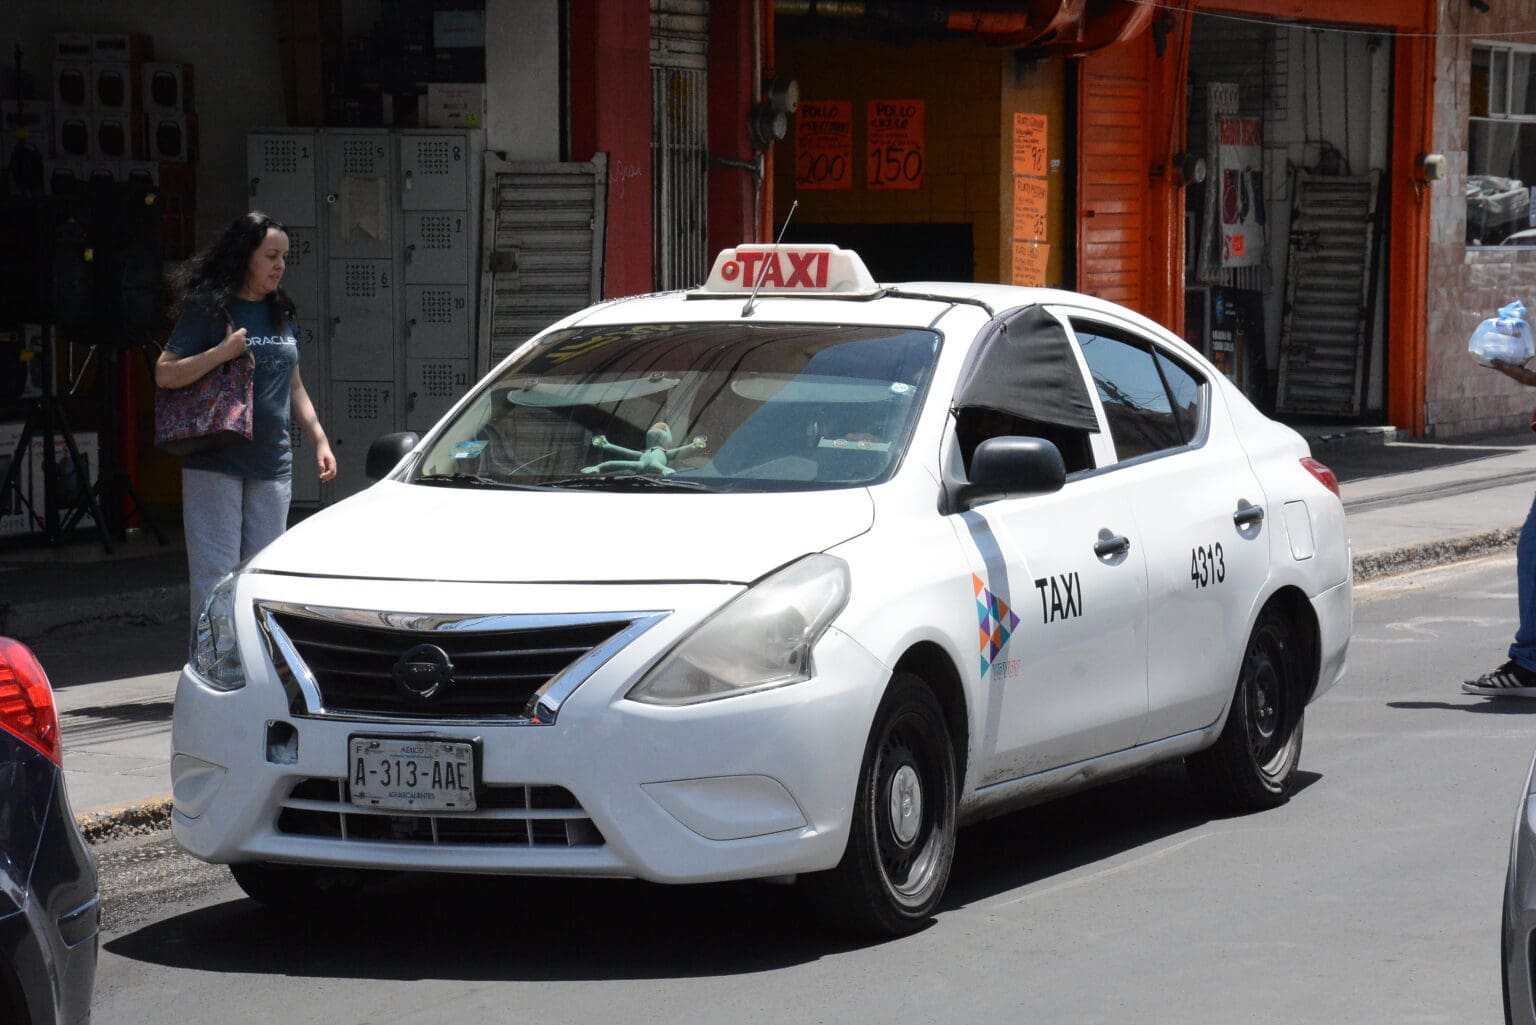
<point x="268" y="455"/>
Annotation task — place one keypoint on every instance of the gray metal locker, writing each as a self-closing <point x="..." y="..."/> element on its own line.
<point x="301" y="278"/>
<point x="282" y="175"/>
<point x="434" y="172"/>
<point x="359" y="197"/>
<point x="431" y="387"/>
<point x="306" y="484"/>
<point x="437" y="321"/>
<point x="436" y="246"/>
<point x="360" y="412"/>
<point x="361" y="345"/>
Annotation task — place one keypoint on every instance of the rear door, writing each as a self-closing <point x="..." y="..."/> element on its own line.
<point x="1199" y="516"/>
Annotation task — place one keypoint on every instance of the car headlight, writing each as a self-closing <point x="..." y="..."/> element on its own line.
<point x="215" y="653"/>
<point x="762" y="639"/>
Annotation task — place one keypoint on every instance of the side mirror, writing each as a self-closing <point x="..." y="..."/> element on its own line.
<point x="1010" y="468"/>
<point x="387" y="451"/>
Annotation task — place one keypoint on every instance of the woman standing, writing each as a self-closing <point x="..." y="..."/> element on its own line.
<point x="235" y="500"/>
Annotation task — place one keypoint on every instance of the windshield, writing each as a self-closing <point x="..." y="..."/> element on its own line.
<point x="703" y="407"/>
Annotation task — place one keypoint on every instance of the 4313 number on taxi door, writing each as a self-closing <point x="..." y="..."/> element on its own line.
<point x="1207" y="565"/>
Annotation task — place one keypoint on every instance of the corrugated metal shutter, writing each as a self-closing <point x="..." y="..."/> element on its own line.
<point x="543" y="247"/>
<point x="679" y="141"/>
<point x="1113" y="182"/>
<point x="1325" y="333"/>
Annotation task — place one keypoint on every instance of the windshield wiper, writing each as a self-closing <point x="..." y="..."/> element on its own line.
<point x="621" y="482"/>
<point x="468" y="480"/>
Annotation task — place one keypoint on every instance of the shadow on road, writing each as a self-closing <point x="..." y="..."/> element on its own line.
<point x="1480" y="706"/>
<point x="489" y="928"/>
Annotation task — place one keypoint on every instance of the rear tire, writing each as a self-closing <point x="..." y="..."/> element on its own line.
<point x="902" y="840"/>
<point x="1252" y="765"/>
<point x="295" y="889"/>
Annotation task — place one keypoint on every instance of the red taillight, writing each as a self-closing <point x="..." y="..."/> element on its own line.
<point x="26" y="700"/>
<point x="1324" y="475"/>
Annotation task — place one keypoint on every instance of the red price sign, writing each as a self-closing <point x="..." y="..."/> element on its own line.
<point x="894" y="130"/>
<point x="824" y="145"/>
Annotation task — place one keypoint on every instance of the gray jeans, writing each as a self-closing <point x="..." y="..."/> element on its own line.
<point x="227" y="520"/>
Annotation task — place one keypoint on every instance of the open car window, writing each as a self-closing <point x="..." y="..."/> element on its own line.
<point x="726" y="407"/>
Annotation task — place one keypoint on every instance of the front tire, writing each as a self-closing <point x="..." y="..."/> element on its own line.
<point x="902" y="840"/>
<point x="1252" y="765"/>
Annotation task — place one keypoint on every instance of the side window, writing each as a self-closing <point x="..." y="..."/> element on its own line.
<point x="1134" y="387"/>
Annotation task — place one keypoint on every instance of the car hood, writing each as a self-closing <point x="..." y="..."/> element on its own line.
<point x="398" y="531"/>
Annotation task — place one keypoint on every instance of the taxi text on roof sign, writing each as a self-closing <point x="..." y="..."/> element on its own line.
<point x="788" y="270"/>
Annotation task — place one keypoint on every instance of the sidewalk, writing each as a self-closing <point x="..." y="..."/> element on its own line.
<point x="1409" y="505"/>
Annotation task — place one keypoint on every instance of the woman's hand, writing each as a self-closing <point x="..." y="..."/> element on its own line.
<point x="233" y="346"/>
<point x="325" y="461"/>
<point x="1514" y="370"/>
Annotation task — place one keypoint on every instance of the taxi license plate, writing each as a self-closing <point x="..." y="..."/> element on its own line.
<point x="412" y="774"/>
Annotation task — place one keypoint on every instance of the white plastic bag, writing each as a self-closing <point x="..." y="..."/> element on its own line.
<point x="1503" y="339"/>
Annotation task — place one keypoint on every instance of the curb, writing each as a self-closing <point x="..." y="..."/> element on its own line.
<point x="1388" y="561"/>
<point x="135" y="819"/>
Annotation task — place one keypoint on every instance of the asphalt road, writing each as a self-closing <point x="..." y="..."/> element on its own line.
<point x="1371" y="897"/>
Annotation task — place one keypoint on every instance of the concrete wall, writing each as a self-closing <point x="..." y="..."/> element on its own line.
<point x="1467" y="284"/>
<point x="522" y="72"/>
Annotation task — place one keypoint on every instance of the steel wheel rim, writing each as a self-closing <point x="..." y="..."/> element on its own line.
<point x="908" y="830"/>
<point x="1267" y="692"/>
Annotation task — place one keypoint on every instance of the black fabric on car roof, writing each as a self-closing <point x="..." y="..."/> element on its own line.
<point x="1024" y="366"/>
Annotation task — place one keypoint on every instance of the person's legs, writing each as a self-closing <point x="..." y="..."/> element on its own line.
<point x="210" y="512"/>
<point x="266" y="514"/>
<point x="1523" y="650"/>
<point x="1517" y="677"/>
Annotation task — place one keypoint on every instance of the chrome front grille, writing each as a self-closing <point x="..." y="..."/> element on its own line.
<point x="508" y="669"/>
<point x="523" y="815"/>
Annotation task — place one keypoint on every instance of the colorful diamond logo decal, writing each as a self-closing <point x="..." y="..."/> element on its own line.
<point x="995" y="622"/>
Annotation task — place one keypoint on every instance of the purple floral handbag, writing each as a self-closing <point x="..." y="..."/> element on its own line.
<point x="212" y="412"/>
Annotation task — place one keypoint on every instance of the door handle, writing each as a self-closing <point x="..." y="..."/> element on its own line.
<point x="1109" y="545"/>
<point x="1248" y="515"/>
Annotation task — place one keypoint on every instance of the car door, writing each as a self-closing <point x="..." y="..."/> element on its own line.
<point x="1199" y="515"/>
<point x="1061" y="606"/>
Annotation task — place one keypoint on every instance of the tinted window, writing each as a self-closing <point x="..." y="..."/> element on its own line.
<point x="1184" y="386"/>
<point x="1141" y="416"/>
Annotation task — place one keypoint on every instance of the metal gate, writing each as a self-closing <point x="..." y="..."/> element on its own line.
<point x="1325" y="336"/>
<point x="679" y="142"/>
<point x="543" y="235"/>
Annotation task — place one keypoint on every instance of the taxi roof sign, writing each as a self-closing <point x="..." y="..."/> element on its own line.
<point x="788" y="270"/>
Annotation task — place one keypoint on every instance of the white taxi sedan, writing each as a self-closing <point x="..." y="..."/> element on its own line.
<point x="719" y="585"/>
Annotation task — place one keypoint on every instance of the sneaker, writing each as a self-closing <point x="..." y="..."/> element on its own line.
<point x="1509" y="680"/>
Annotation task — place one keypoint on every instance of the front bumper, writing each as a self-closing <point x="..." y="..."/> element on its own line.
<point x="756" y="785"/>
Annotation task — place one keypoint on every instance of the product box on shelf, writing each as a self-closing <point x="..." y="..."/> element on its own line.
<point x="171" y="138"/>
<point x="72" y="85"/>
<point x="115" y="87"/>
<point x="134" y="47"/>
<point x="166" y="88"/>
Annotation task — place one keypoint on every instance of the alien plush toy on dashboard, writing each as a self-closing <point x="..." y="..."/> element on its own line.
<point x="658" y="452"/>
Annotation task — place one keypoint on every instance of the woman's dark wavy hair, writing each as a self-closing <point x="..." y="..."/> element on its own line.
<point x="210" y="279"/>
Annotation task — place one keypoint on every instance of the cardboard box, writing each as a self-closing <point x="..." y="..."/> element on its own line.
<point x="117" y="136"/>
<point x="455" y="105"/>
<point x="73" y="134"/>
<point x="133" y="47"/>
<point x="71" y="485"/>
<point x="171" y="138"/>
<point x="64" y="177"/>
<point x="13" y="511"/>
<point x="72" y="85"/>
<point x="115" y="87"/>
<point x="144" y="172"/>
<point x="166" y="88"/>
<point x="103" y="170"/>
<point x="72" y="46"/>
